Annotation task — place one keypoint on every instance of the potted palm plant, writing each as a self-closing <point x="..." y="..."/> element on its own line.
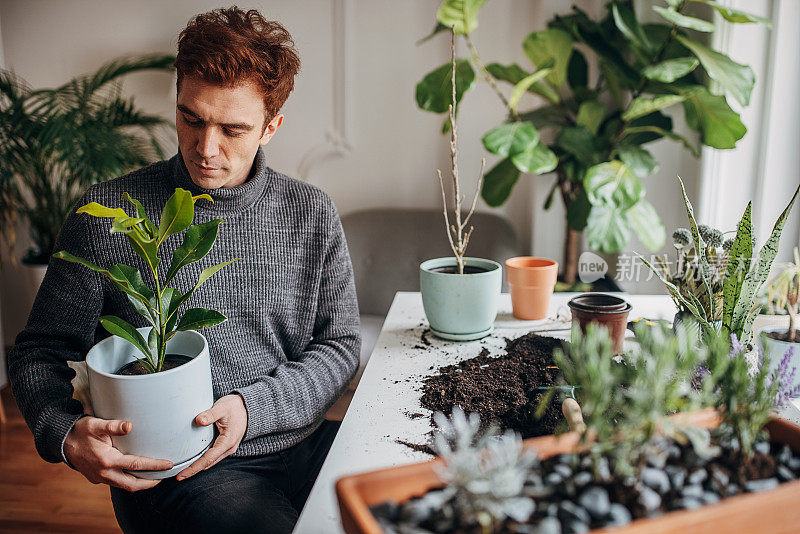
<point x="783" y="292"/>
<point x="459" y="293"/>
<point x="157" y="377"/>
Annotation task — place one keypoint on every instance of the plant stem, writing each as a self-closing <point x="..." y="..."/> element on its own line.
<point x="487" y="76"/>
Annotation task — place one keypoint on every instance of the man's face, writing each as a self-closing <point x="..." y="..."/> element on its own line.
<point x="220" y="129"/>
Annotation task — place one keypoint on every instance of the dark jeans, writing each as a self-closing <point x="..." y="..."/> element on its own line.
<point x="256" y="494"/>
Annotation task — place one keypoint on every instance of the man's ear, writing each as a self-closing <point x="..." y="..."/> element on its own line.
<point x="272" y="127"/>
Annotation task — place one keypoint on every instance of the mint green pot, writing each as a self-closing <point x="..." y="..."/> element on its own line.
<point x="460" y="307"/>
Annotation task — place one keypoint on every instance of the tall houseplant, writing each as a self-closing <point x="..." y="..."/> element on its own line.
<point x="459" y="294"/>
<point x="54" y="143"/>
<point x="598" y="130"/>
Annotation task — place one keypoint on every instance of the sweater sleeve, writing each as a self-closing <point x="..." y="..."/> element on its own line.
<point x="60" y="328"/>
<point x="299" y="392"/>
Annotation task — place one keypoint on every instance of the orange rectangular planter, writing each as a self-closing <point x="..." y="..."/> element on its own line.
<point x="773" y="511"/>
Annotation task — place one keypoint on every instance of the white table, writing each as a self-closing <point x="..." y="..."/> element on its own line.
<point x="389" y="392"/>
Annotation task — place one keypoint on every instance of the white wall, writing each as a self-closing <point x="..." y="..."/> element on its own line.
<point x="394" y="148"/>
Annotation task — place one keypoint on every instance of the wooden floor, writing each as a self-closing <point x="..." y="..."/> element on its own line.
<point x="36" y="496"/>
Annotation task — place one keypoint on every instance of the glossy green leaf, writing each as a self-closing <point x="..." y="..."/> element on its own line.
<point x="647" y="224"/>
<point x="152" y="343"/>
<point x="579" y="142"/>
<point x="510" y="138"/>
<point x="719" y="125"/>
<point x="461" y="15"/>
<point x="526" y="83"/>
<point x="197" y="241"/>
<point x="171" y="300"/>
<point x="613" y="183"/>
<point x="98" y="210"/>
<point x="642" y="105"/>
<point x="123" y="224"/>
<point x="737" y="79"/>
<point x="591" y="114"/>
<point x="637" y="130"/>
<point x="735" y="15"/>
<point x="147" y="249"/>
<point x="577" y="70"/>
<point x="198" y="318"/>
<point x="639" y="160"/>
<point x="578" y="212"/>
<point x="208" y="272"/>
<point x="607" y="229"/>
<point x="498" y="182"/>
<point x="177" y="215"/>
<point x="625" y="20"/>
<point x="670" y="70"/>
<point x="433" y="93"/>
<point x="536" y="160"/>
<point x="684" y="21"/>
<point x="120" y="327"/>
<point x="150" y="228"/>
<point x="545" y="117"/>
<point x="514" y="74"/>
<point x="545" y="46"/>
<point x="739" y="259"/>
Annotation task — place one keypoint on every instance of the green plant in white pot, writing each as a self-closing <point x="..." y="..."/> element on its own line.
<point x="459" y="293"/>
<point x="156" y="377"/>
<point x="784" y="295"/>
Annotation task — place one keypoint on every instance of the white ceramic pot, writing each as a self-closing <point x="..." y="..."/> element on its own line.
<point x="161" y="406"/>
<point x="777" y="349"/>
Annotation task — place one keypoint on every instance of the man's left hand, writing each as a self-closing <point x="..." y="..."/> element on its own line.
<point x="230" y="415"/>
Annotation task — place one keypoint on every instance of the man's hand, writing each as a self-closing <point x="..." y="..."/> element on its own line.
<point x="88" y="448"/>
<point x="230" y="415"/>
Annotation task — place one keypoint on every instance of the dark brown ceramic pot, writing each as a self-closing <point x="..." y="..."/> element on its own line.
<point x="607" y="310"/>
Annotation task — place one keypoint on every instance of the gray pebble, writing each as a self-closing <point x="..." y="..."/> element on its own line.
<point x="582" y="478"/>
<point x="720" y="478"/>
<point x="648" y="498"/>
<point x="697" y="477"/>
<point x="569" y="511"/>
<point x="732" y="489"/>
<point x="562" y="469"/>
<point x="656" y="479"/>
<point x="709" y="497"/>
<point x="785" y="474"/>
<point x="552" y="510"/>
<point x="762" y="447"/>
<point x="574" y="526"/>
<point x="673" y="452"/>
<point x="794" y="463"/>
<point x="586" y="462"/>
<point x="694" y="492"/>
<point x="689" y="503"/>
<point x="761" y="485"/>
<point x="677" y="476"/>
<point x="539" y="492"/>
<point x="548" y="525"/>
<point x="618" y="515"/>
<point x="657" y="460"/>
<point x="602" y="470"/>
<point x="595" y="500"/>
<point x="784" y="455"/>
<point x="553" y="479"/>
<point x="565" y="459"/>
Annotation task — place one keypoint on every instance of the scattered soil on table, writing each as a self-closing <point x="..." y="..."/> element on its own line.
<point x="784" y="336"/>
<point x="417" y="447"/>
<point x="501" y="389"/>
<point x="136" y="367"/>
<point x="424" y="337"/>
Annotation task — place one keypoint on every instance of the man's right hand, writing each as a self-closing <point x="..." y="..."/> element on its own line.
<point x="88" y="448"/>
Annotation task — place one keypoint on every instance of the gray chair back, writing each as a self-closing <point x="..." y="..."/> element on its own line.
<point x="387" y="246"/>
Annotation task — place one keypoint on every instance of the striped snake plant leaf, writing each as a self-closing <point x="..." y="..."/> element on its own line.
<point x="699" y="246"/>
<point x="739" y="259"/>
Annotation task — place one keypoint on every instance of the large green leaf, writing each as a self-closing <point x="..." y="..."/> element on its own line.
<point x="642" y="106"/>
<point x="625" y="20"/>
<point x="639" y="160"/>
<point x="120" y="327"/>
<point x="591" y="114"/>
<point x="684" y="21"/>
<point x="545" y="117"/>
<point x="138" y="293"/>
<point x="197" y="241"/>
<point x="177" y="215"/>
<point x="719" y="125"/>
<point x="434" y="92"/>
<point x="657" y="119"/>
<point x="536" y="160"/>
<point x="545" y="46"/>
<point x="524" y="85"/>
<point x="739" y="258"/>
<point x="579" y="142"/>
<point x="197" y="318"/>
<point x="735" y="15"/>
<point x="638" y="130"/>
<point x="613" y="183"/>
<point x="208" y="272"/>
<point x="498" y="182"/>
<point x="647" y="224"/>
<point x="700" y="251"/>
<point x="123" y="224"/>
<point x="511" y="138"/>
<point x="607" y="229"/>
<point x="670" y="70"/>
<point x="735" y="78"/>
<point x="577" y="70"/>
<point x="578" y="212"/>
<point x="461" y="15"/>
<point x="146" y="248"/>
<point x="140" y="213"/>
<point x="514" y="74"/>
<point x="98" y="210"/>
<point x="757" y="275"/>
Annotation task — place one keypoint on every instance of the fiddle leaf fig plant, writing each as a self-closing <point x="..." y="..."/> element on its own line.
<point x="596" y="131"/>
<point x="160" y="306"/>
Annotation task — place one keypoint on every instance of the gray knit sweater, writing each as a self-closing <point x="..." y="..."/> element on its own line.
<point x="291" y="342"/>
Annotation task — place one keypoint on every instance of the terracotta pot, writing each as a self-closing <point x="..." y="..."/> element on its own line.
<point x="531" y="282"/>
<point x="606" y="310"/>
<point x="768" y="511"/>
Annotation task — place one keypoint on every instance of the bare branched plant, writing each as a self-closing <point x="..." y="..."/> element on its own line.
<point x="456" y="234"/>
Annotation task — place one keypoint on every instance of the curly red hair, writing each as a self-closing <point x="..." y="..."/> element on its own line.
<point x="229" y="46"/>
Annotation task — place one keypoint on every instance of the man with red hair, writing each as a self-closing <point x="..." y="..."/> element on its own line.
<point x="291" y="342"/>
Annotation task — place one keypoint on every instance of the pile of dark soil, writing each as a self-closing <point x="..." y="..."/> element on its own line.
<point x="501" y="389"/>
<point x="136" y="367"/>
<point x="784" y="336"/>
